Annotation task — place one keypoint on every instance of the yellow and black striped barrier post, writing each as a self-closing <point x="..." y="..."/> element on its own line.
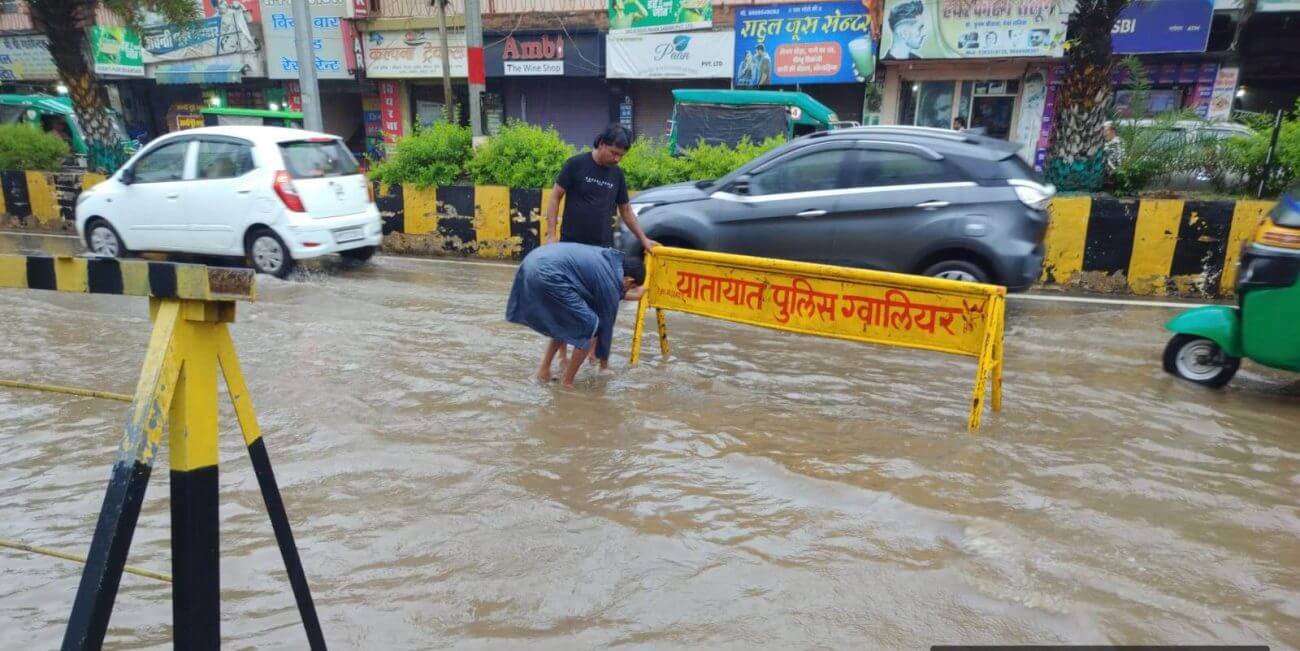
<point x="191" y="306"/>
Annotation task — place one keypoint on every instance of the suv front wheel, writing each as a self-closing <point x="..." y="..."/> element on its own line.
<point x="957" y="270"/>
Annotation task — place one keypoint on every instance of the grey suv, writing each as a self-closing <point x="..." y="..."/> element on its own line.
<point x="942" y="203"/>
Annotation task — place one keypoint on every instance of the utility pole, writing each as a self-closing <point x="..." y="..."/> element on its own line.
<point x="477" y="73"/>
<point x="311" y="119"/>
<point x="448" y="99"/>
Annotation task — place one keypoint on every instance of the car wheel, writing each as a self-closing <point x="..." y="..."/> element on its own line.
<point x="102" y="240"/>
<point x="957" y="270"/>
<point x="359" y="255"/>
<point x="268" y="254"/>
<point x="1200" y="360"/>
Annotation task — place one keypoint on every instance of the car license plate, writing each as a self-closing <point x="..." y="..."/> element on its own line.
<point x="349" y="234"/>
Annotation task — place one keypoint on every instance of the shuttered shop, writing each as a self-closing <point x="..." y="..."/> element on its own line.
<point x="577" y="107"/>
<point x="652" y="103"/>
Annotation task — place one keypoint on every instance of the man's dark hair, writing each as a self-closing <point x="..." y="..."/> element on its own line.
<point x="614" y="135"/>
<point x="760" y="48"/>
<point x="905" y="11"/>
<point x="634" y="268"/>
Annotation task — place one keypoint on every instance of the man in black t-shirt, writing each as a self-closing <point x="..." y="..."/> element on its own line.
<point x="593" y="187"/>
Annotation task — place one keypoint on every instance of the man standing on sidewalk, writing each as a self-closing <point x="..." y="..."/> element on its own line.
<point x="593" y="188"/>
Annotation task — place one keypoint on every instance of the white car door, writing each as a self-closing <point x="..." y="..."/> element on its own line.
<point x="221" y="195"/>
<point x="153" y="208"/>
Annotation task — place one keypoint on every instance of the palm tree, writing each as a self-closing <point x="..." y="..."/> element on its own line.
<point x="65" y="23"/>
<point x="1075" y="160"/>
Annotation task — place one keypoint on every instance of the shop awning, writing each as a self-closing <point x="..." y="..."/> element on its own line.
<point x="200" y="73"/>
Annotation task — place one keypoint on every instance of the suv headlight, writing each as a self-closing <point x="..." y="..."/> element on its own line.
<point x="1034" y="195"/>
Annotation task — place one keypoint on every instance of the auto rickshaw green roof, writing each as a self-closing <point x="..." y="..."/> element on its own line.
<point x="253" y="113"/>
<point x="812" y="112"/>
<point x="43" y="103"/>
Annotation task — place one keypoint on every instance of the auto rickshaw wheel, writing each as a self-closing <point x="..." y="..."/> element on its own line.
<point x="1200" y="360"/>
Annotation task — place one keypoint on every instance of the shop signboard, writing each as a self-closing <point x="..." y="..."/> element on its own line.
<point x="206" y="37"/>
<point x="390" y="112"/>
<point x="659" y="15"/>
<point x="249" y="8"/>
<point x="694" y="55"/>
<point x="533" y="54"/>
<point x="117" y="51"/>
<point x="26" y="57"/>
<point x="1225" y="90"/>
<point x="331" y="39"/>
<point x="818" y="43"/>
<point x="1277" y="5"/>
<point x="395" y="54"/>
<point x="971" y="29"/>
<point x="1156" y="26"/>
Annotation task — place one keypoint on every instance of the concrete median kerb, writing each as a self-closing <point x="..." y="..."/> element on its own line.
<point x="1148" y="246"/>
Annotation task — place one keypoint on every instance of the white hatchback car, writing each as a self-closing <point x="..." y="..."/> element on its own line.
<point x="270" y="194"/>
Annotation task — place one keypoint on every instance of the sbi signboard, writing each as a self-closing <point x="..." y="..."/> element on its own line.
<point x="1153" y="26"/>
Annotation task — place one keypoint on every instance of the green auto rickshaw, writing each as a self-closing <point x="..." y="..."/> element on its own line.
<point x="54" y="114"/>
<point x="716" y="116"/>
<point x="1210" y="342"/>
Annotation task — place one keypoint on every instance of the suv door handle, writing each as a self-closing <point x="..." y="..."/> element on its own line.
<point x="174" y="195"/>
<point x="809" y="214"/>
<point x="930" y="205"/>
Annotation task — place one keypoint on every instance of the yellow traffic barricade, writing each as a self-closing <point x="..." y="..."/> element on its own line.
<point x="191" y="306"/>
<point x="875" y="307"/>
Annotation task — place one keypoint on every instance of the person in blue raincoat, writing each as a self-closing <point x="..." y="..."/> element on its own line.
<point x="569" y="292"/>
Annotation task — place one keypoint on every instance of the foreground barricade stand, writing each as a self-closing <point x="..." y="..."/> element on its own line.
<point x="868" y="306"/>
<point x="191" y="306"/>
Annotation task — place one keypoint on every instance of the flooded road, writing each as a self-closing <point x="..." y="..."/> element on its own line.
<point x="758" y="490"/>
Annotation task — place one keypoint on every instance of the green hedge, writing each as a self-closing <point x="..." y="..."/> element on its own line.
<point x="526" y="156"/>
<point x="436" y="155"/>
<point x="24" y="147"/>
<point x="520" y="156"/>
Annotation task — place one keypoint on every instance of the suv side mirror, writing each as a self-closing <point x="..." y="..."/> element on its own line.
<point x="740" y="185"/>
<point x="127" y="177"/>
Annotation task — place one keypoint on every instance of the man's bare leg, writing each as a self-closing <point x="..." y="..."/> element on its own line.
<point x="575" y="362"/>
<point x="544" y="371"/>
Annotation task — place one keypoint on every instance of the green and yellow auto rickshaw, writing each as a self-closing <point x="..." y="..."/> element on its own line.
<point x="1210" y="342"/>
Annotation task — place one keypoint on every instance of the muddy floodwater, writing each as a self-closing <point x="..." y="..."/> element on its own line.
<point x="757" y="490"/>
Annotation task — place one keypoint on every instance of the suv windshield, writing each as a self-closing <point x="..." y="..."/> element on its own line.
<point x="314" y="159"/>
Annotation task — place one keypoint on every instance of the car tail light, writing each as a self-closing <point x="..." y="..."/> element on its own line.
<point x="370" y="190"/>
<point x="1035" y="195"/>
<point x="287" y="192"/>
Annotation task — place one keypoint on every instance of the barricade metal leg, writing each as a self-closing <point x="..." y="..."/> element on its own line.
<point x="127" y="482"/>
<point x="997" y="354"/>
<point x="243" y="403"/>
<point x="178" y="392"/>
<point x="985" y="369"/>
<point x="196" y="592"/>
<point x="663" y="332"/>
<point x="641" y="308"/>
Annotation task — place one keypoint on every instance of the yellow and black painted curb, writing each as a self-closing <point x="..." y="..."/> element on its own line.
<point x="1172" y="247"/>
<point x="1139" y="246"/>
<point x="42" y="200"/>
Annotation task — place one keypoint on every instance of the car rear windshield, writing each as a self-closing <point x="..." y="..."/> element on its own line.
<point x="314" y="159"/>
<point x="1013" y="167"/>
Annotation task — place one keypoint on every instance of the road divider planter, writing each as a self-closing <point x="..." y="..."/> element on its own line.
<point x="874" y="307"/>
<point x="1148" y="246"/>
